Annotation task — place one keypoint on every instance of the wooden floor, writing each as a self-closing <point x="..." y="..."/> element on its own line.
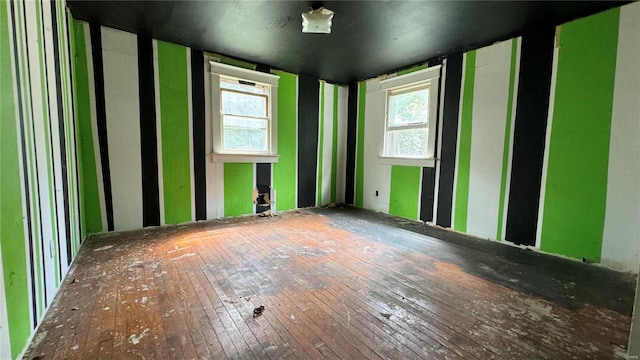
<point x="334" y="284"/>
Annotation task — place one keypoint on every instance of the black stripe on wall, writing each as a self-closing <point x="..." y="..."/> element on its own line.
<point x="198" y="129"/>
<point x="429" y="174"/>
<point x="426" y="198"/>
<point x="449" y="136"/>
<point x="148" y="134"/>
<point x="61" y="129"/>
<point x="25" y="172"/>
<point x="308" y="120"/>
<point x="101" y="117"/>
<point x="534" y="87"/>
<point x="352" y="128"/>
<point x="263" y="170"/>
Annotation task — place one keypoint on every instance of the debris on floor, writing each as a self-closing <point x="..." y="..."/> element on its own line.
<point x="258" y="311"/>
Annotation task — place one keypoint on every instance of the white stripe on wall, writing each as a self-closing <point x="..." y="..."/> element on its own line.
<point x="327" y="145"/>
<point x="490" y="98"/>
<point x="94" y="125"/>
<point x="156" y="86"/>
<point x="547" y="141"/>
<point x="61" y="246"/>
<point x="341" y="168"/>
<point x="378" y="176"/>
<point x="41" y="153"/>
<point x="436" y="188"/>
<point x="214" y="171"/>
<point x="120" y="62"/>
<point x="621" y="238"/>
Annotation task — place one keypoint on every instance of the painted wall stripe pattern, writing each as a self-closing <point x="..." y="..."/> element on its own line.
<point x="198" y="116"/>
<point x="37" y="205"/>
<point x="352" y="128"/>
<point x="148" y="132"/>
<point x="308" y="120"/>
<point x="621" y="237"/>
<point x="15" y="289"/>
<point x="284" y="172"/>
<point x="461" y="181"/>
<point x="101" y="126"/>
<point x="326" y="151"/>
<point x="528" y="141"/>
<point x="91" y="202"/>
<point x="359" y="187"/>
<point x="508" y="136"/>
<point x="122" y="130"/>
<point x="575" y="196"/>
<point x="222" y="181"/>
<point x="320" y="144"/>
<point x="176" y="162"/>
<point x="448" y="136"/>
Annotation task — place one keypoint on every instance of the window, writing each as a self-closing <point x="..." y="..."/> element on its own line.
<point x="410" y="117"/>
<point x="244" y="111"/>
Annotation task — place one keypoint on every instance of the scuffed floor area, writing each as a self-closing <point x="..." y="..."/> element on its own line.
<point x="334" y="283"/>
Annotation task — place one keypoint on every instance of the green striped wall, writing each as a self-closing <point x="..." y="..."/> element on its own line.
<point x="12" y="236"/>
<point x="576" y="183"/>
<point x="464" y="144"/>
<point x="334" y="147"/>
<point x="362" y="93"/>
<point x="89" y="192"/>
<point x="404" y="197"/>
<point x="31" y="162"/>
<point x="507" y="139"/>
<point x="174" y="124"/>
<point x="284" y="172"/>
<point x="228" y="185"/>
<point x="320" y="145"/>
<point x="238" y="178"/>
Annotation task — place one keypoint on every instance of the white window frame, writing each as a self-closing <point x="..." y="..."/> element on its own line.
<point x="219" y="70"/>
<point x="426" y="78"/>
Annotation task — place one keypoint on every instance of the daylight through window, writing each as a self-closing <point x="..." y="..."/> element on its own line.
<point x="244" y="111"/>
<point x="410" y="117"/>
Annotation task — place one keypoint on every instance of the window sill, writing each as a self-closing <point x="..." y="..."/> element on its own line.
<point x="242" y="158"/>
<point x="385" y="160"/>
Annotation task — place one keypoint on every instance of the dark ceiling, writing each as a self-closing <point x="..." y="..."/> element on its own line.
<point x="369" y="38"/>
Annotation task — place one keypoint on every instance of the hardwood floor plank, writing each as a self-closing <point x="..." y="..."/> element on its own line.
<point x="339" y="284"/>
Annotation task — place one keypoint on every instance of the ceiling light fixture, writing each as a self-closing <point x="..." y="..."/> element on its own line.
<point x="317" y="21"/>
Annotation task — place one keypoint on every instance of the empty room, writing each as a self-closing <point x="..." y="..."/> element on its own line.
<point x="306" y="180"/>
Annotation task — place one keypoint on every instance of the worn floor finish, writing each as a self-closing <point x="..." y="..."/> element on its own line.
<point x="335" y="284"/>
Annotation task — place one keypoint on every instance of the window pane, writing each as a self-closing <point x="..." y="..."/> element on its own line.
<point x="407" y="143"/>
<point x="244" y="104"/>
<point x="230" y="121"/>
<point x="235" y="85"/>
<point x="244" y="134"/>
<point x="409" y="108"/>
